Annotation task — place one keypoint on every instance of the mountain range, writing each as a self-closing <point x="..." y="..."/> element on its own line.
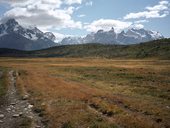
<point x="131" y="36"/>
<point x="15" y="36"/>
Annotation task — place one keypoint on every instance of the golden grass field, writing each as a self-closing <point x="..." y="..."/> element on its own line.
<point x="96" y="93"/>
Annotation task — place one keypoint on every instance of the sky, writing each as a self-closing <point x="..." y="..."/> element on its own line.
<point x="79" y="17"/>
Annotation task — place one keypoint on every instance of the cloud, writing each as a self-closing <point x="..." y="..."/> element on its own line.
<point x="60" y="36"/>
<point x="82" y="15"/>
<point x="56" y="2"/>
<point x="141" y="21"/>
<point x="163" y="5"/>
<point x="158" y="11"/>
<point x="137" y="26"/>
<point x="107" y="24"/>
<point x="73" y="2"/>
<point x="146" y="14"/>
<point x="45" y="13"/>
<point x="90" y="3"/>
<point x="14" y="1"/>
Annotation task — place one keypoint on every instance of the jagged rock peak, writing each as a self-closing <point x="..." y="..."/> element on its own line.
<point x="10" y="22"/>
<point x="112" y="29"/>
<point x="50" y="36"/>
<point x="100" y="31"/>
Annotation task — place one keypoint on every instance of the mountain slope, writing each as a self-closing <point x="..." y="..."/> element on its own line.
<point x="13" y="35"/>
<point x="155" y="49"/>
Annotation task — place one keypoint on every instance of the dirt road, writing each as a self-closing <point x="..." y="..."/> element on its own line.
<point x="16" y="112"/>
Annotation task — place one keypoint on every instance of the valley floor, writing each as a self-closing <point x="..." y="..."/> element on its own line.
<point x="94" y="93"/>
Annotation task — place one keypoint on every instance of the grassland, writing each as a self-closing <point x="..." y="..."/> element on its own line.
<point x="3" y="84"/>
<point x="96" y="93"/>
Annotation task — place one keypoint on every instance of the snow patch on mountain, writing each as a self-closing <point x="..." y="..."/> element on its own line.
<point x="3" y="34"/>
<point x="155" y="35"/>
<point x="50" y="36"/>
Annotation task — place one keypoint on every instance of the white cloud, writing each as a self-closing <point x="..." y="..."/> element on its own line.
<point x="145" y="14"/>
<point x="141" y="21"/>
<point x="45" y="13"/>
<point x="137" y="26"/>
<point x="90" y="3"/>
<point x="82" y="15"/>
<point x="73" y="2"/>
<point x="56" y="2"/>
<point x="60" y="36"/>
<point x="14" y="1"/>
<point x="158" y="11"/>
<point x="107" y="24"/>
<point x="163" y="5"/>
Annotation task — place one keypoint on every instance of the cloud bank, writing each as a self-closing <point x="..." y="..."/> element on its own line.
<point x="158" y="11"/>
<point x="45" y="13"/>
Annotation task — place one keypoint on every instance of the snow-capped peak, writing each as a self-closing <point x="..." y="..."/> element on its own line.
<point x="31" y="33"/>
<point x="156" y="35"/>
<point x="50" y="36"/>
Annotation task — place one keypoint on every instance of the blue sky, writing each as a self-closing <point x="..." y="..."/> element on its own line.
<point x="80" y="17"/>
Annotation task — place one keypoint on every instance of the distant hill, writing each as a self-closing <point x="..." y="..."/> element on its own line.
<point x="154" y="49"/>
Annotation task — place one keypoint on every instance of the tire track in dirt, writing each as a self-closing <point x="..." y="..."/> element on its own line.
<point x="131" y="111"/>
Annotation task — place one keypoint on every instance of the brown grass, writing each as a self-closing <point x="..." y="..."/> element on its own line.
<point x="96" y="92"/>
